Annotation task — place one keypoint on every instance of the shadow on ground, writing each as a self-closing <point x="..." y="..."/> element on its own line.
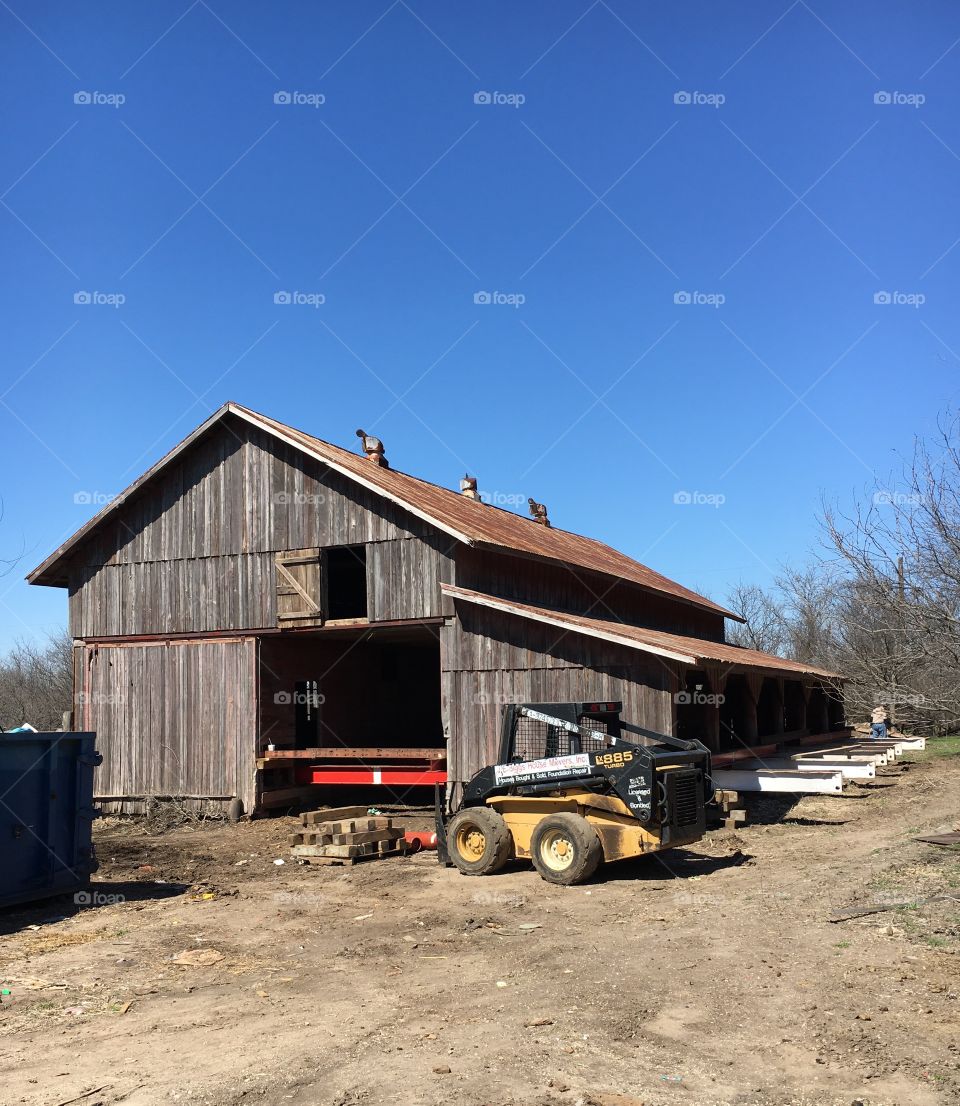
<point x="97" y="895"/>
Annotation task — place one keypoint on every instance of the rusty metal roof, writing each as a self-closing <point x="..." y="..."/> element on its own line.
<point x="479" y="523"/>
<point x="686" y="650"/>
<point x="468" y="520"/>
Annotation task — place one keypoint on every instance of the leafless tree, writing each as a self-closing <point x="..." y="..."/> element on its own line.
<point x="36" y="683"/>
<point x="900" y="550"/>
<point x="766" y="626"/>
<point x="881" y="604"/>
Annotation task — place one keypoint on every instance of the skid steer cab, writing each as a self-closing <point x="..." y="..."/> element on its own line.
<point x="575" y="786"/>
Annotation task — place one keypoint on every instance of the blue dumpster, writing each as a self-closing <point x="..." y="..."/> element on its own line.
<point x="46" y="814"/>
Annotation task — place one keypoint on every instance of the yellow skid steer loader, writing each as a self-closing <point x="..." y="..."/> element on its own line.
<point x="569" y="792"/>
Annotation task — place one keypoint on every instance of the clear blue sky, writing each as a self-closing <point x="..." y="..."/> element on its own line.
<point x="782" y="187"/>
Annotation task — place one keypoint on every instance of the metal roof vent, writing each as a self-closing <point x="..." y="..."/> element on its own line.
<point x="468" y="487"/>
<point x="538" y="512"/>
<point x="373" y="448"/>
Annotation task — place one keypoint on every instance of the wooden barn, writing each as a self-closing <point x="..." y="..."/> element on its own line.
<point x="263" y="611"/>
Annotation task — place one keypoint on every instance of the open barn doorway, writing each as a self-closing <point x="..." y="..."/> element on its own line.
<point x="738" y="714"/>
<point x="769" y="709"/>
<point x="698" y="710"/>
<point x="348" y="707"/>
<point x="794" y="708"/>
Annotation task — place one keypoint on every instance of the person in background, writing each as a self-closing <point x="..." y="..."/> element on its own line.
<point x="878" y="723"/>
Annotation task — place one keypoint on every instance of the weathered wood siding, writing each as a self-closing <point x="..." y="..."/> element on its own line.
<point x="174" y="718"/>
<point x="196" y="552"/>
<point x="569" y="588"/>
<point x="489" y="658"/>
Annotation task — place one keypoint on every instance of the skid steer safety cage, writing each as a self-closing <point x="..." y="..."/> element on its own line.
<point x="536" y="740"/>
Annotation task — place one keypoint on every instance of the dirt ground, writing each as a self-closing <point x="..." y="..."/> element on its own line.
<point x="204" y="972"/>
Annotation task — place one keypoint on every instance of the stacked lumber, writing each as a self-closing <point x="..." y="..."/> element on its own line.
<point x="730" y="810"/>
<point x="345" y="835"/>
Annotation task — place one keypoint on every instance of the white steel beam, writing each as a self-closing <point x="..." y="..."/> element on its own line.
<point x="786" y="780"/>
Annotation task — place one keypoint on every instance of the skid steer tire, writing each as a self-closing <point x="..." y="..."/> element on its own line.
<point x="479" y="841"/>
<point x="565" y="849"/>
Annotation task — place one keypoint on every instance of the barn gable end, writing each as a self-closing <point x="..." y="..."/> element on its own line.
<point x="195" y="551"/>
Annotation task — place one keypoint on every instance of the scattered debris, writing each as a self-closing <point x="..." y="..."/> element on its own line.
<point x="81" y="1097"/>
<point x="863" y="911"/>
<point x="940" y="839"/>
<point x="198" y="958"/>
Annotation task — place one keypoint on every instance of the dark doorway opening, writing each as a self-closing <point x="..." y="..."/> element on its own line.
<point x="697" y="709"/>
<point x="769" y="709"/>
<point x="738" y="715"/>
<point x="351" y="688"/>
<point x="818" y="720"/>
<point x="794" y="707"/>
<point x="345" y="573"/>
<point x="836" y="714"/>
<point x="306" y="713"/>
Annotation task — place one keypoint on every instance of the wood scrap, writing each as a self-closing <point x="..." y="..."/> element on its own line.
<point x="345" y="837"/>
<point x="940" y="839"/>
<point x="334" y="814"/>
<point x="864" y="911"/>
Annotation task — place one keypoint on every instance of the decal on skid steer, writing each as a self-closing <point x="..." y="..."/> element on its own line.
<point x="577" y="764"/>
<point x="613" y="760"/>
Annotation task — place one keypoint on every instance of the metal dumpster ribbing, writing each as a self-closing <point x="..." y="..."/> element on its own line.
<point x="46" y="814"/>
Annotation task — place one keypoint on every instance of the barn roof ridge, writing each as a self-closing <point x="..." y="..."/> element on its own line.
<point x="467" y="520"/>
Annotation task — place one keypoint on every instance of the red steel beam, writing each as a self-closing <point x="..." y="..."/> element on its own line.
<point x="402" y="776"/>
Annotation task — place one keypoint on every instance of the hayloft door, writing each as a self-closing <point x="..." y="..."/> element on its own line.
<point x="299" y="588"/>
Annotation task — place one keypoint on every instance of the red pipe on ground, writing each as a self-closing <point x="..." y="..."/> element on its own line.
<point x="420" y="839"/>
